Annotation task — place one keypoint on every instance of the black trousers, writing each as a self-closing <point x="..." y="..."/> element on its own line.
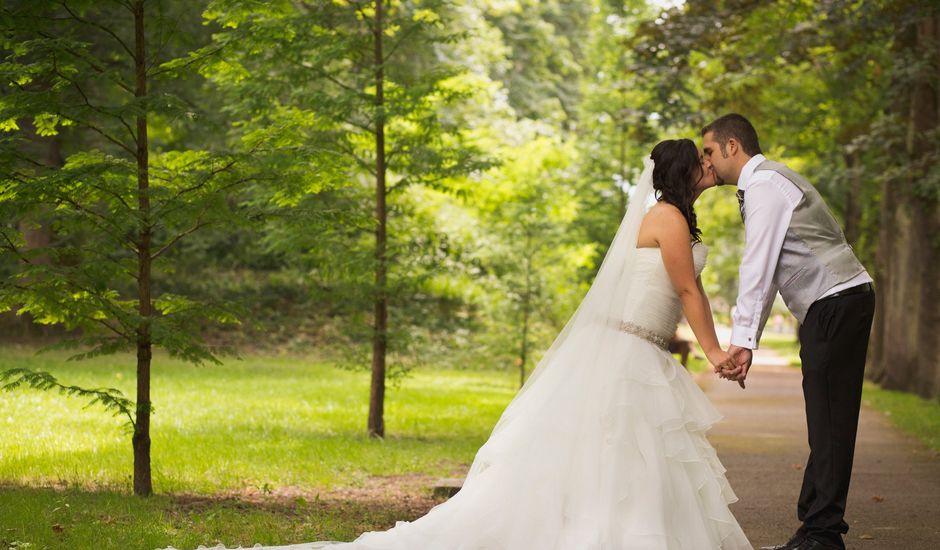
<point x="834" y="342"/>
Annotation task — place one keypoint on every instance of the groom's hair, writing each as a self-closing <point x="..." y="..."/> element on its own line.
<point x="734" y="126"/>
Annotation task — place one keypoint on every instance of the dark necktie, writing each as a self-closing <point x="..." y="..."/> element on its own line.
<point x="740" y="195"/>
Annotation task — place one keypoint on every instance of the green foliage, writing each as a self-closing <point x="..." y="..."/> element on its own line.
<point x="111" y="399"/>
<point x="543" y="64"/>
<point x="529" y="205"/>
<point x="93" y="200"/>
<point x="319" y="98"/>
<point x="722" y="230"/>
<point x="84" y="79"/>
<point x="819" y="80"/>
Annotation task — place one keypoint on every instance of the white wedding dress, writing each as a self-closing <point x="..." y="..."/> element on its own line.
<point x="604" y="447"/>
<point x="606" y="451"/>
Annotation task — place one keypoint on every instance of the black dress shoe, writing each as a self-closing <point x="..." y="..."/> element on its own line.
<point x="791" y="544"/>
<point x="812" y="544"/>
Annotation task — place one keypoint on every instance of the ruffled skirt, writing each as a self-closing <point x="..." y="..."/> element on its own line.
<point x="605" y="453"/>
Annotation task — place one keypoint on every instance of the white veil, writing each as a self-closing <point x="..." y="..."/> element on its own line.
<point x="605" y="300"/>
<point x="583" y="454"/>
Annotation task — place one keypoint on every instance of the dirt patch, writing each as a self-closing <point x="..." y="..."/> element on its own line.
<point x="410" y="495"/>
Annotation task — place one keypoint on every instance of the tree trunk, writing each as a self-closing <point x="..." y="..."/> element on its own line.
<point x="376" y="425"/>
<point x="37" y="234"/>
<point x="925" y="122"/>
<point x="143" y="485"/>
<point x="40" y="236"/>
<point x="853" y="213"/>
<point x="905" y="350"/>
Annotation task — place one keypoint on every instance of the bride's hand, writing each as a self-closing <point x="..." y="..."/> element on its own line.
<point x="720" y="360"/>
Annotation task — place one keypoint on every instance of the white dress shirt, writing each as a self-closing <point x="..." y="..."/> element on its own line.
<point x="770" y="200"/>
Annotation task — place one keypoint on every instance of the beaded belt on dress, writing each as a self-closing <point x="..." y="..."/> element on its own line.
<point x="645" y="334"/>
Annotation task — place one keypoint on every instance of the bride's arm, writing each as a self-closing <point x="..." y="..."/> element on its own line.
<point x="672" y="234"/>
<point x="711" y="322"/>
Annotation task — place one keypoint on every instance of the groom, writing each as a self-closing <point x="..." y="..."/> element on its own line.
<point x="794" y="245"/>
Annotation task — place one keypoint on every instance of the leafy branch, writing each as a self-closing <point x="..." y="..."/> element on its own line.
<point x="110" y="398"/>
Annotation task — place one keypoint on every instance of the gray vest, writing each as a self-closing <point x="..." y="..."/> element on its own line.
<point x="814" y="256"/>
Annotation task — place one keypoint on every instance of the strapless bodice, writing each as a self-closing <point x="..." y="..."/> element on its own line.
<point x="652" y="305"/>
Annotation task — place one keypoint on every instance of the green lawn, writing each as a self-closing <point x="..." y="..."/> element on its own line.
<point x="37" y="518"/>
<point x="913" y="414"/>
<point x="257" y="423"/>
<point x="264" y="425"/>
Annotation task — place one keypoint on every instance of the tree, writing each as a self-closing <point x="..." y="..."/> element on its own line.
<point x="845" y="93"/>
<point x="543" y="67"/>
<point x="617" y="123"/>
<point x="905" y="348"/>
<point x="368" y="77"/>
<point x="105" y="76"/>
<point x="530" y="205"/>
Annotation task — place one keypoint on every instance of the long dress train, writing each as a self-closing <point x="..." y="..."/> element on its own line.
<point x="606" y="451"/>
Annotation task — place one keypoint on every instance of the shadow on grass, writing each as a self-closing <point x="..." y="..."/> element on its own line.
<point x="49" y="517"/>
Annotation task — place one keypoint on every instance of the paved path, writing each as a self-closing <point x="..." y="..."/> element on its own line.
<point x="894" y="500"/>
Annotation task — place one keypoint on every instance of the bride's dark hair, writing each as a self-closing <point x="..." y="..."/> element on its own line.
<point x="677" y="169"/>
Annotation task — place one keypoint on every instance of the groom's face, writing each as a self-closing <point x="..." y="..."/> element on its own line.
<point x="707" y="177"/>
<point x="716" y="156"/>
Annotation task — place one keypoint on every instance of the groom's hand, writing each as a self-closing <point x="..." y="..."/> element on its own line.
<point x="742" y="358"/>
<point x="728" y="368"/>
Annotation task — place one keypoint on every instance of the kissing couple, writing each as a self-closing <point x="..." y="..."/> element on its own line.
<point x="604" y="447"/>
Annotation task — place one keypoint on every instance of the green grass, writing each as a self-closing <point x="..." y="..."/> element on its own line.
<point x="38" y="518"/>
<point x="281" y="425"/>
<point x="913" y="414"/>
<point x="258" y="423"/>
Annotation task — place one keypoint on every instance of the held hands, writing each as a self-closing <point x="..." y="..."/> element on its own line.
<point x="741" y="359"/>
<point x="732" y="364"/>
<point x="721" y="360"/>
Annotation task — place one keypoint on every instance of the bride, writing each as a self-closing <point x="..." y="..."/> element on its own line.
<point x="604" y="447"/>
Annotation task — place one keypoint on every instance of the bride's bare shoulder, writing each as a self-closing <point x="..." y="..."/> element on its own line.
<point x="660" y="218"/>
<point x="663" y="211"/>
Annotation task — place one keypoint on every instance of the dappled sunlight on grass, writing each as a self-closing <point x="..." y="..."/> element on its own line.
<point x="261" y="421"/>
